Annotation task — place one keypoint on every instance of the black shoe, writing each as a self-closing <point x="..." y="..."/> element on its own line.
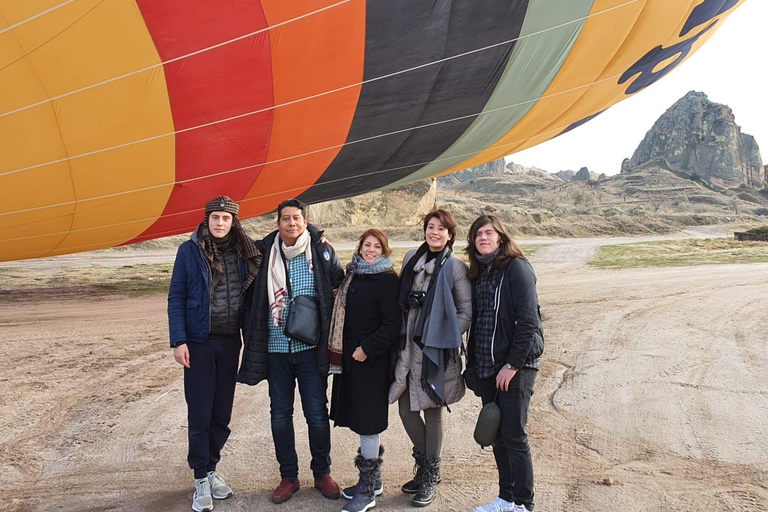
<point x="428" y="488"/>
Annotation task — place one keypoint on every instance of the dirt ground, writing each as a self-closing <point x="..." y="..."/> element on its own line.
<point x="652" y="396"/>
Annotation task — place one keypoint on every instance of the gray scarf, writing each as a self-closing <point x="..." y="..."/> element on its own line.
<point x="487" y="259"/>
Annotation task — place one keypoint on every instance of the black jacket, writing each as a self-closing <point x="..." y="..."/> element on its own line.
<point x="518" y="335"/>
<point x="372" y="321"/>
<point x="328" y="274"/>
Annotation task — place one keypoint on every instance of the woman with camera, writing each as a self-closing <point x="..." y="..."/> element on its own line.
<point x="503" y="349"/>
<point x="365" y="328"/>
<point x="436" y="299"/>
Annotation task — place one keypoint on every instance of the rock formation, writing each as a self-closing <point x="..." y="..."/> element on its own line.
<point x="565" y="175"/>
<point x="401" y="206"/>
<point x="701" y="139"/>
<point x="585" y="174"/>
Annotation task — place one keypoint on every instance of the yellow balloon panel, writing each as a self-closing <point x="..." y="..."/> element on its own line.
<point x="70" y="50"/>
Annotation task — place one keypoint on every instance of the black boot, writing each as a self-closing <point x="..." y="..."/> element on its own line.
<point x="412" y="486"/>
<point x="378" y="487"/>
<point x="427" y="489"/>
<point x="365" y="497"/>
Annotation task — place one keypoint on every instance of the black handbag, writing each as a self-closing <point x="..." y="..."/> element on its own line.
<point x="303" y="321"/>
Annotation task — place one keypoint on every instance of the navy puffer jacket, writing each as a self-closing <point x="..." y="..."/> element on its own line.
<point x="189" y="303"/>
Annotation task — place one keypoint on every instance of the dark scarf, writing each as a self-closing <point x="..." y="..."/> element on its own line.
<point x="212" y="249"/>
<point x="406" y="275"/>
<point x="487" y="259"/>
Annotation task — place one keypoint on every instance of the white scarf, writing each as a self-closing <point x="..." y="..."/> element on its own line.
<point x="276" y="279"/>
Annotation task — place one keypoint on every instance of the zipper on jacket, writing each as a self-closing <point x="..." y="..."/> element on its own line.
<point x="226" y="283"/>
<point x="496" y="299"/>
<point x="210" y="287"/>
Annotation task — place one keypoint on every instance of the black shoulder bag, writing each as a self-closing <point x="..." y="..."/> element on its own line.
<point x="303" y="322"/>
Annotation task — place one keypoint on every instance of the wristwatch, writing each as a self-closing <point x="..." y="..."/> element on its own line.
<point x="510" y="367"/>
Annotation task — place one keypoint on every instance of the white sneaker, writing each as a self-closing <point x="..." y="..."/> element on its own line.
<point x="520" y="508"/>
<point x="498" y="505"/>
<point x="201" y="500"/>
<point x="219" y="489"/>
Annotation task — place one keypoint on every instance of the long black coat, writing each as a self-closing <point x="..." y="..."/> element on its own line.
<point x="372" y="321"/>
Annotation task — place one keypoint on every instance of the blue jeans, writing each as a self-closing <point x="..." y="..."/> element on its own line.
<point x="209" y="389"/>
<point x="283" y="371"/>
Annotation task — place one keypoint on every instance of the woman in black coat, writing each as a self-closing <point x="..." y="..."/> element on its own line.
<point x="364" y="331"/>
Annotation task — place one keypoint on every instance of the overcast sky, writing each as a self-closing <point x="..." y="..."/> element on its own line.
<point x="730" y="68"/>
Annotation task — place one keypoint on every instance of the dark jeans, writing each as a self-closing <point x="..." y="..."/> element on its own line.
<point x="209" y="389"/>
<point x="283" y="371"/>
<point x="511" y="450"/>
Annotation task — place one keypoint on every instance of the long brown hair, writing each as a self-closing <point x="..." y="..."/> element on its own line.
<point x="446" y="219"/>
<point x="507" y="248"/>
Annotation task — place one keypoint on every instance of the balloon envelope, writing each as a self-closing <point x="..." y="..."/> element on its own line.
<point x="119" y="119"/>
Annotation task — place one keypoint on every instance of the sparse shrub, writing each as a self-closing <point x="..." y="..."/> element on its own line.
<point x="638" y="211"/>
<point x="561" y="210"/>
<point x="762" y="230"/>
<point x="611" y="211"/>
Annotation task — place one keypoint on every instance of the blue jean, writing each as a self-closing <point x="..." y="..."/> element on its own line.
<point x="283" y="371"/>
<point x="511" y="449"/>
<point x="209" y="389"/>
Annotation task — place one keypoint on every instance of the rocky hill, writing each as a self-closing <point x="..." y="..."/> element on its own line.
<point x="701" y="139"/>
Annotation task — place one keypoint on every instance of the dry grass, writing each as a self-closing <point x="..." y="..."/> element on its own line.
<point x="131" y="280"/>
<point x="677" y="253"/>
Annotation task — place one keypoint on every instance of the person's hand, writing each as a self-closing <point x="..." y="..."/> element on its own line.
<point x="359" y="355"/>
<point x="503" y="377"/>
<point x="181" y="355"/>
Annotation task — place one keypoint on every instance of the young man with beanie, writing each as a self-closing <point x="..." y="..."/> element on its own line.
<point x="210" y="277"/>
<point x="298" y="262"/>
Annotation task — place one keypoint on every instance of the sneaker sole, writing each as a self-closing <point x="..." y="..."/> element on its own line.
<point x="376" y="492"/>
<point x="202" y="509"/>
<point x="220" y="497"/>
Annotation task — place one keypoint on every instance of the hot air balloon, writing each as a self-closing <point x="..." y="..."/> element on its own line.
<point x="120" y="118"/>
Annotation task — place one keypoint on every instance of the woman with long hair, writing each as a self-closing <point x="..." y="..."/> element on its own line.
<point x="364" y="329"/>
<point x="435" y="297"/>
<point x="504" y="344"/>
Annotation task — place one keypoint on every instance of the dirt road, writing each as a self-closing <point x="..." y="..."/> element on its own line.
<point x="654" y="378"/>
